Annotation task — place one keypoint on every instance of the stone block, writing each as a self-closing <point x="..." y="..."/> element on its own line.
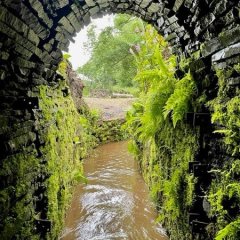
<point x="160" y="22"/>
<point x="203" y="23"/>
<point x="103" y="5"/>
<point x="177" y="5"/>
<point x="154" y="7"/>
<point x="17" y="37"/>
<point x="90" y="3"/>
<point x="225" y="39"/>
<point x="74" y="21"/>
<point x="123" y="6"/>
<point x="227" y="52"/>
<point x="188" y="3"/>
<point x="38" y="7"/>
<point x="18" y="25"/>
<point x="234" y="81"/>
<point x="211" y="47"/>
<point x="22" y="63"/>
<point x="59" y="36"/>
<point x="102" y="2"/>
<point x="186" y="36"/>
<point x="17" y="143"/>
<point x="226" y="63"/>
<point x="61" y="3"/>
<point x="65" y="24"/>
<point x="197" y="65"/>
<point x="228" y="18"/>
<point x="94" y="10"/>
<point x="197" y="30"/>
<point x="2" y="74"/>
<point x="145" y="3"/>
<point x="86" y="19"/>
<point x="172" y="19"/>
<point x="31" y="19"/>
<point x="220" y="7"/>
<point x="4" y="55"/>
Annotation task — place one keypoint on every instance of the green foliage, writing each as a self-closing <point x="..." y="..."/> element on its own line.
<point x="62" y="153"/>
<point x="62" y="67"/>
<point x="224" y="197"/>
<point x="109" y="131"/>
<point x="128" y="90"/>
<point x="92" y="38"/>
<point x="129" y="29"/>
<point x="224" y="193"/>
<point x="178" y="103"/>
<point x="22" y="167"/>
<point x="226" y="113"/>
<point x="190" y="190"/>
<point x="231" y="231"/>
<point x="162" y="143"/>
<point x="237" y="68"/>
<point x="112" y="63"/>
<point x="162" y="93"/>
<point x="68" y="139"/>
<point x="164" y="163"/>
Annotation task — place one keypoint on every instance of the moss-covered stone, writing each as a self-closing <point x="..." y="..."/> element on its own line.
<point x="164" y="164"/>
<point x="36" y="182"/>
<point x="224" y="192"/>
<point x="110" y="131"/>
<point x="67" y="140"/>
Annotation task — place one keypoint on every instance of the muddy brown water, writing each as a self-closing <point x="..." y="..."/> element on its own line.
<point x="115" y="204"/>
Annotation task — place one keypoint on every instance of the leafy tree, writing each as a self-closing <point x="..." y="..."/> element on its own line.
<point x="112" y="61"/>
<point x="92" y="38"/>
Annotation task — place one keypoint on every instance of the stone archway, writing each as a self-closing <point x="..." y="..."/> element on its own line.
<point x="33" y="33"/>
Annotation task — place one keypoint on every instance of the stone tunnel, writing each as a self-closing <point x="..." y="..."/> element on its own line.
<point x="33" y="34"/>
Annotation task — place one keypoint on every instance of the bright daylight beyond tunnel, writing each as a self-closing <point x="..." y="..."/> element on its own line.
<point x="134" y="134"/>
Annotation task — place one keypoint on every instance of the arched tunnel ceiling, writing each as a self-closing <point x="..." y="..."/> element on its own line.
<point x="35" y="32"/>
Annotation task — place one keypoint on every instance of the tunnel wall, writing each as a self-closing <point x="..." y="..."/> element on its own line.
<point x="32" y="35"/>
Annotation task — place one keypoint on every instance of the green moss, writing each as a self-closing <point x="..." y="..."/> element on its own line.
<point x="162" y="143"/>
<point x="110" y="131"/>
<point x="16" y="200"/>
<point x="69" y="137"/>
<point x="67" y="140"/>
<point x="36" y="181"/>
<point x="164" y="165"/>
<point x="224" y="193"/>
<point x="226" y="111"/>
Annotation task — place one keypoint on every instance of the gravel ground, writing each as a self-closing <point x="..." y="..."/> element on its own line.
<point x="110" y="108"/>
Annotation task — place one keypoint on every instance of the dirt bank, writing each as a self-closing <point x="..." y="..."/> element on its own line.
<point x="110" y="108"/>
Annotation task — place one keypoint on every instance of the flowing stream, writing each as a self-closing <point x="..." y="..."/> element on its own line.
<point x="115" y="203"/>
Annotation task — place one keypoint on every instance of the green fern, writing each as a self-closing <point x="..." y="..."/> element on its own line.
<point x="230" y="232"/>
<point x="178" y="103"/>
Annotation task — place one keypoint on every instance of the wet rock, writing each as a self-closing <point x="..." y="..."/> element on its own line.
<point x="91" y="3"/>
<point x="234" y="81"/>
<point x="227" y="52"/>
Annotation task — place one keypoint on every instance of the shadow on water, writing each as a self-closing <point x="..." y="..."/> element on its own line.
<point x="115" y="203"/>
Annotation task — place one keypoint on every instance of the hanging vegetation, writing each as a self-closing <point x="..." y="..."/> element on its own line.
<point x="162" y="143"/>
